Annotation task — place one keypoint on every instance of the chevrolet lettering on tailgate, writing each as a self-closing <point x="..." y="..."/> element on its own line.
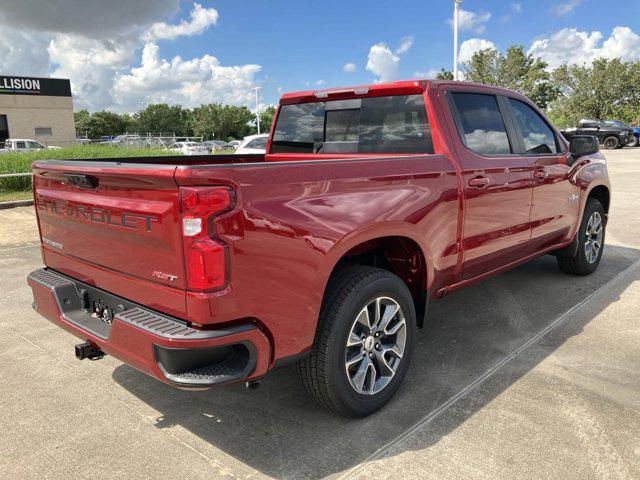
<point x="115" y="218"/>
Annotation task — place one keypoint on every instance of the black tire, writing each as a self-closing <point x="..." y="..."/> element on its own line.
<point x="323" y="373"/>
<point x="634" y="142"/>
<point x="580" y="264"/>
<point x="611" y="142"/>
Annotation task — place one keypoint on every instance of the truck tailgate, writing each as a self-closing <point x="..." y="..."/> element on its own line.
<point x="116" y="218"/>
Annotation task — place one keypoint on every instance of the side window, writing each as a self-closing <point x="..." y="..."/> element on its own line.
<point x="21" y="145"/>
<point x="537" y="135"/>
<point x="481" y="122"/>
<point x="258" y="143"/>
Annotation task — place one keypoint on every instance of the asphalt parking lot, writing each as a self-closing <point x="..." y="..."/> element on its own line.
<point x="532" y="374"/>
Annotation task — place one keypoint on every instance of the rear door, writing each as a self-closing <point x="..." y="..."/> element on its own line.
<point x="497" y="181"/>
<point x="554" y="209"/>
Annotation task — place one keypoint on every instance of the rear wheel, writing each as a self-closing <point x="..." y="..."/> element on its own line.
<point x="611" y="142"/>
<point x="364" y="343"/>
<point x="590" y="242"/>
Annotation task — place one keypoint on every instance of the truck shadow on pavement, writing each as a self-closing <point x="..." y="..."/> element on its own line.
<point x="279" y="432"/>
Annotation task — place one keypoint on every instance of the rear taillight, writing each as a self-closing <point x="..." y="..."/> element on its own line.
<point x="205" y="255"/>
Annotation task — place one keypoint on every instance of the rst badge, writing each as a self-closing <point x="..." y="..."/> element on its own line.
<point x="164" y="276"/>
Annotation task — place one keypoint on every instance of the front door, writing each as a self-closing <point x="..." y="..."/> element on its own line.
<point x="497" y="186"/>
<point x="555" y="205"/>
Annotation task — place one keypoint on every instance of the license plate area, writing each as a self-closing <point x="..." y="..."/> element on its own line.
<point x="90" y="308"/>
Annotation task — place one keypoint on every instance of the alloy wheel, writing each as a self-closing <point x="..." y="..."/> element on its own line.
<point x="375" y="346"/>
<point x="593" y="241"/>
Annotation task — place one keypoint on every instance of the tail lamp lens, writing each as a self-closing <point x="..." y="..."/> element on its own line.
<point x="205" y="255"/>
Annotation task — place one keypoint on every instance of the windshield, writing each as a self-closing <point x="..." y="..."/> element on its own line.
<point x="615" y="123"/>
<point x="394" y="124"/>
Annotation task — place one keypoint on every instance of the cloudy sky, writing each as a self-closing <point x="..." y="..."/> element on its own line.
<point x="120" y="54"/>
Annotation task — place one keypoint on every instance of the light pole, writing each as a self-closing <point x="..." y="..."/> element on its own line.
<point x="257" y="109"/>
<point x="456" y="4"/>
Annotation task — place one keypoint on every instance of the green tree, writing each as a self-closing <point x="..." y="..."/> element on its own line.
<point x="266" y="118"/>
<point x="515" y="70"/>
<point x="223" y="121"/>
<point x="606" y="89"/>
<point x="101" y="123"/>
<point x="444" y="74"/>
<point x="160" y="117"/>
<point x="82" y="120"/>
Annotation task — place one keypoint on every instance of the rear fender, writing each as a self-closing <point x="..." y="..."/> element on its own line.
<point x="368" y="233"/>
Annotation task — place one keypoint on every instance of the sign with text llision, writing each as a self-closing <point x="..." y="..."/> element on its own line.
<point x="52" y="87"/>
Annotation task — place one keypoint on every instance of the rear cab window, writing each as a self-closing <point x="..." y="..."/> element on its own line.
<point x="378" y="125"/>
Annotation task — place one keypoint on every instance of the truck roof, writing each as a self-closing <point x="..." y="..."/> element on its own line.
<point x="376" y="89"/>
<point x="404" y="87"/>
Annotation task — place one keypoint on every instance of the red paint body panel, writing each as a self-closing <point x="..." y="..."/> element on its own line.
<point x="296" y="215"/>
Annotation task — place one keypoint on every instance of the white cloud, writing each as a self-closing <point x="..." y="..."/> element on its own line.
<point x="564" y="8"/>
<point x="428" y="75"/>
<point x="91" y="65"/>
<point x="23" y="53"/>
<point x="200" y="19"/>
<point x="383" y="63"/>
<point x="101" y="48"/>
<point x="92" y="18"/>
<point x="516" y="7"/>
<point x="349" y="67"/>
<point x="321" y="82"/>
<point x="405" y="45"/>
<point x="471" y="21"/>
<point x="568" y="46"/>
<point x="471" y="46"/>
<point x="189" y="82"/>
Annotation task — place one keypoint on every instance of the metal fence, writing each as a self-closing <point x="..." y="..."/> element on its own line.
<point x="131" y="140"/>
<point x="14" y="182"/>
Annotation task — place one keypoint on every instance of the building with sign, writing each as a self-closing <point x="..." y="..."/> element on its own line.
<point x="36" y="108"/>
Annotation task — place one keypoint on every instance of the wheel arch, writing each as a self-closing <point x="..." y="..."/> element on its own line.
<point x="397" y="251"/>
<point x="602" y="194"/>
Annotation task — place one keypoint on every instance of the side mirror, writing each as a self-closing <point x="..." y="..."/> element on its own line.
<point x="583" y="145"/>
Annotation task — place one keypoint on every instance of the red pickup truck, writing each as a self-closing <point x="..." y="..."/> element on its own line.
<point x="369" y="203"/>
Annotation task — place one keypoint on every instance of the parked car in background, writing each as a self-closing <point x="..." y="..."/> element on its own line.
<point x="371" y="202"/>
<point x="253" y="144"/>
<point x="134" y="141"/>
<point x="216" y="145"/>
<point x="25" y="145"/>
<point x="610" y="135"/>
<point x="188" y="148"/>
<point x="635" y="139"/>
<point x="234" y="143"/>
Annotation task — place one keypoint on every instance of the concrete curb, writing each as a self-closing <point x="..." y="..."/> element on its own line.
<point x="15" y="203"/>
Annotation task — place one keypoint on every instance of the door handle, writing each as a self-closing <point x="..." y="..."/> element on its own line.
<point x="540" y="174"/>
<point x="479" y="182"/>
